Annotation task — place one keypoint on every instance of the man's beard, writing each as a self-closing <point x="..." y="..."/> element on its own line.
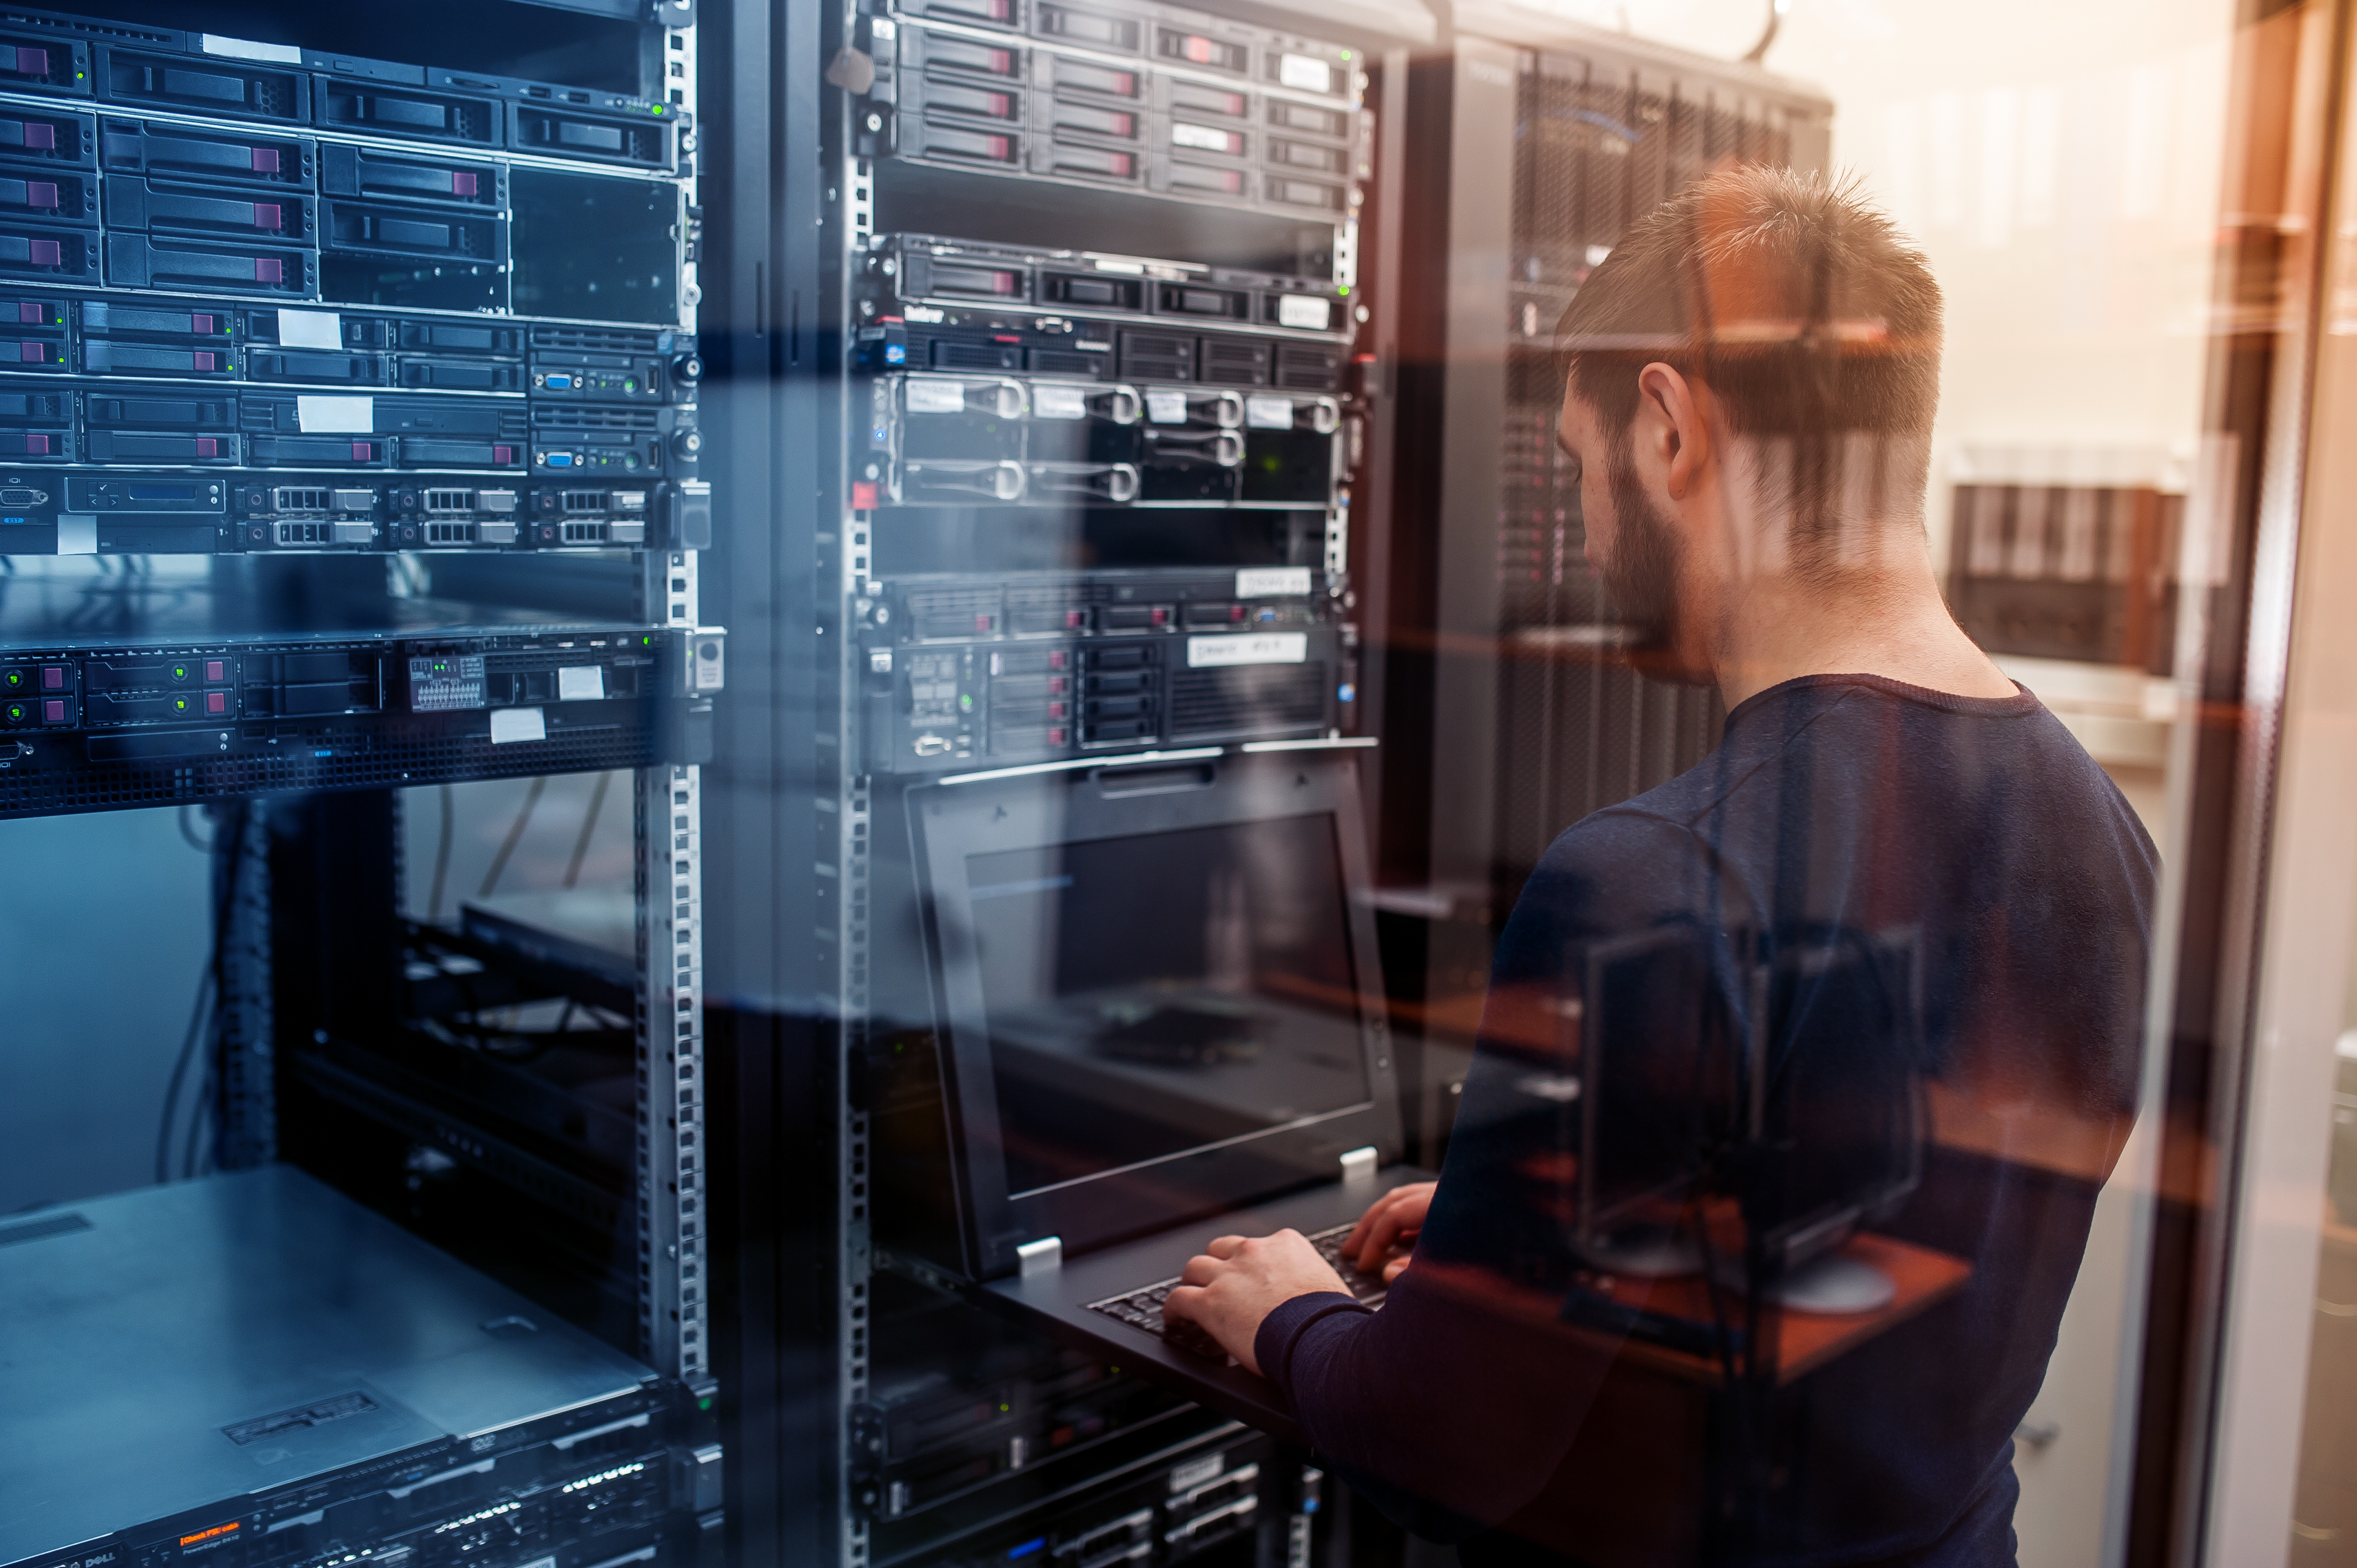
<point x="1642" y="576"/>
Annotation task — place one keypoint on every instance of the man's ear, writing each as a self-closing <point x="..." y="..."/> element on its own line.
<point x="1671" y="418"/>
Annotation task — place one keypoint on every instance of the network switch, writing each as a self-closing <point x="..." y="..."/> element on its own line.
<point x="92" y="724"/>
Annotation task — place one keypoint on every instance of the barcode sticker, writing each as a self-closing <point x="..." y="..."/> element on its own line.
<point x="310" y="329"/>
<point x="518" y="724"/>
<point x="1259" y="647"/>
<point x="336" y="415"/>
<point x="1049" y="402"/>
<point x="581" y="684"/>
<point x="1307" y="75"/>
<point x="1269" y="412"/>
<point x="936" y="397"/>
<point x="1305" y="311"/>
<point x="1165" y="407"/>
<point x="1271" y="582"/>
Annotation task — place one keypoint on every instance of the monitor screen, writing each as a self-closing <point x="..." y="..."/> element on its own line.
<point x="1153" y="994"/>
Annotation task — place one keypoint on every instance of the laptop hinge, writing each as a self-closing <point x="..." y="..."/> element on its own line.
<point x="1044" y="1256"/>
<point x="1359" y="1166"/>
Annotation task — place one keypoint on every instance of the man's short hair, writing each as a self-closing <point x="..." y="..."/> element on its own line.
<point x="1811" y="321"/>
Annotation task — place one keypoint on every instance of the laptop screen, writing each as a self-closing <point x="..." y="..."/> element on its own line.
<point x="1155" y="994"/>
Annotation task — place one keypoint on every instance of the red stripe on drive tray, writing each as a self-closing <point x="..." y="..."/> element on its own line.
<point x="201" y="323"/>
<point x="41" y="138"/>
<point x="1001" y="105"/>
<point x="33" y="353"/>
<point x="32" y="62"/>
<point x="363" y="451"/>
<point x="40" y="193"/>
<point x="999" y="146"/>
<point x="30" y="314"/>
<point x="463" y="182"/>
<point x="202" y="360"/>
<point x="265" y="160"/>
<point x="48" y="253"/>
<point x="1122" y="165"/>
<point x="268" y="215"/>
<point x="269" y="269"/>
<point x="502" y="454"/>
<point x="208" y="447"/>
<point x="1002" y="62"/>
<point x="36" y="445"/>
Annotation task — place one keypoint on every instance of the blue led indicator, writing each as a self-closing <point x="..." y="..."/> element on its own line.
<point x="1036" y="1543"/>
<point x="896" y="353"/>
<point x="1346" y="692"/>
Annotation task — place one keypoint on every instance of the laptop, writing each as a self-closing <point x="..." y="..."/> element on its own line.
<point x="1159" y="1020"/>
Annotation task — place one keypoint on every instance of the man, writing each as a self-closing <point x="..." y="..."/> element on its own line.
<point x="1751" y="377"/>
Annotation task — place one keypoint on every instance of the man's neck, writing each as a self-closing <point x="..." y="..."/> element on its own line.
<point x="1891" y="623"/>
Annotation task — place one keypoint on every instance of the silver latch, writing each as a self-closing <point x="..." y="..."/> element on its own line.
<point x="1359" y="1166"/>
<point x="1044" y="1256"/>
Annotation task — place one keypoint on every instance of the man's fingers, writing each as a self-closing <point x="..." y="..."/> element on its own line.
<point x="1201" y="1270"/>
<point x="1395" y="1268"/>
<point x="1225" y="1245"/>
<point x="1184" y="1302"/>
<point x="1356" y="1240"/>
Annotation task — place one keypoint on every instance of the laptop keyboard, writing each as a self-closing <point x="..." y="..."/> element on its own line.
<point x="1142" y="1308"/>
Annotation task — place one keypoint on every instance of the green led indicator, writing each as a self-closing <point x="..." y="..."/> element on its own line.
<point x="704" y="1403"/>
<point x="1346" y="54"/>
<point x="16" y="711"/>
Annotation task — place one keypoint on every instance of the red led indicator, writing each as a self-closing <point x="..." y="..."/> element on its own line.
<point x="863" y="495"/>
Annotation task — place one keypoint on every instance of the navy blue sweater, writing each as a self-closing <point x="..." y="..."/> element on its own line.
<point x="2023" y="884"/>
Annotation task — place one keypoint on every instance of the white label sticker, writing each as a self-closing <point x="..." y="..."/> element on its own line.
<point x="1166" y="407"/>
<point x="1267" y="582"/>
<point x="1260" y="648"/>
<point x="1204" y="136"/>
<point x="1049" y="402"/>
<point x="77" y="533"/>
<point x="336" y="415"/>
<point x="1269" y="412"/>
<point x="1304" y="310"/>
<point x="247" y="49"/>
<point x="924" y="314"/>
<point x="1307" y="75"/>
<point x="936" y="397"/>
<point x="581" y="684"/>
<point x="1187" y="1477"/>
<point x="517" y="724"/>
<point x="310" y="329"/>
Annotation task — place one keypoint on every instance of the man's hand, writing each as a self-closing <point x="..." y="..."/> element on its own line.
<point x="1390" y="1221"/>
<point x="1240" y="1280"/>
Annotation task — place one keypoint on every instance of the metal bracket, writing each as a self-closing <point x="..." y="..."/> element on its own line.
<point x="1044" y="1256"/>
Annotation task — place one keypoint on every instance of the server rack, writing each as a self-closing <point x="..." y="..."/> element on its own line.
<point x="1106" y="388"/>
<point x="370" y="382"/>
<point x="1554" y="138"/>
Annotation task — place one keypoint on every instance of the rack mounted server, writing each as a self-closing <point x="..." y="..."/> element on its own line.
<point x="100" y="724"/>
<point x="444" y="1420"/>
<point x="468" y="298"/>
